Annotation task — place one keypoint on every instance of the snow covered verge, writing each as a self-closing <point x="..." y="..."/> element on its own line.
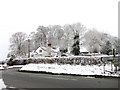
<point x="72" y="69"/>
<point x="15" y="66"/>
<point x="2" y="85"/>
<point x="1" y="67"/>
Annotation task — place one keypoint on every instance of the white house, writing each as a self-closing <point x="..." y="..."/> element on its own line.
<point x="47" y="51"/>
<point x="42" y="51"/>
<point x="55" y="51"/>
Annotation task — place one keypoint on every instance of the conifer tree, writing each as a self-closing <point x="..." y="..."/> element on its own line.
<point x="76" y="47"/>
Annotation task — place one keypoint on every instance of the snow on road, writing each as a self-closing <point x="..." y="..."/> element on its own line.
<point x="15" y="66"/>
<point x="2" y="85"/>
<point x="71" y="69"/>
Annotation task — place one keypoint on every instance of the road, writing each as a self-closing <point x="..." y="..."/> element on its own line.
<point x="14" y="79"/>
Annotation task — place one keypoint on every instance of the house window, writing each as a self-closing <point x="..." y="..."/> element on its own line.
<point x="40" y="50"/>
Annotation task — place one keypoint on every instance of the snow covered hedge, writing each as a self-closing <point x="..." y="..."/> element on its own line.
<point x="80" y="60"/>
<point x="79" y="65"/>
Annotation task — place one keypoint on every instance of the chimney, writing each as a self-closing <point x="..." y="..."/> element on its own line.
<point x="49" y="45"/>
<point x="49" y="49"/>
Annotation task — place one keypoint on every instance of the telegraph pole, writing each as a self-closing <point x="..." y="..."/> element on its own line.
<point x="28" y="48"/>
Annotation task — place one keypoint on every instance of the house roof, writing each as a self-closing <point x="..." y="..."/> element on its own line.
<point x="55" y="49"/>
<point x="83" y="49"/>
<point x="45" y="49"/>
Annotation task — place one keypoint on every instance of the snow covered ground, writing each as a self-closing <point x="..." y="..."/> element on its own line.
<point x="1" y="67"/>
<point x="15" y="66"/>
<point x="72" y="69"/>
<point x="2" y="85"/>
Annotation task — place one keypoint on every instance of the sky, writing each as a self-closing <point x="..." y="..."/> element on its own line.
<point x="27" y="15"/>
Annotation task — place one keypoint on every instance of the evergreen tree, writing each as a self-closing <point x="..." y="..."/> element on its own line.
<point x="76" y="48"/>
<point x="107" y="49"/>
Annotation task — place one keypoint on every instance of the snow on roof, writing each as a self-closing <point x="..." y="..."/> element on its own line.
<point x="83" y="49"/>
<point x="45" y="49"/>
<point x="41" y="48"/>
<point x="33" y="52"/>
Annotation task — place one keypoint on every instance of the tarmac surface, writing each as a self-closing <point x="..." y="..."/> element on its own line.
<point x="14" y="79"/>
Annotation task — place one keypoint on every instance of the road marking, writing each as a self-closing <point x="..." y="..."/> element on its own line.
<point x="89" y="77"/>
<point x="60" y="78"/>
<point x="55" y="77"/>
<point x="74" y="79"/>
<point x="11" y="87"/>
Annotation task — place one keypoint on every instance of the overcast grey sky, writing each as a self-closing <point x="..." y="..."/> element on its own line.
<point x="27" y="15"/>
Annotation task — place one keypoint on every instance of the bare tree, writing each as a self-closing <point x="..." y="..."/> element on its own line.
<point x="93" y="40"/>
<point x="17" y="43"/>
<point x="39" y="38"/>
<point x="78" y="30"/>
<point x="55" y="35"/>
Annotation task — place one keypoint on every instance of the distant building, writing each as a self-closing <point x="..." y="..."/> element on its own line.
<point x="55" y="51"/>
<point x="46" y="52"/>
<point x="42" y="51"/>
<point x="84" y="51"/>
